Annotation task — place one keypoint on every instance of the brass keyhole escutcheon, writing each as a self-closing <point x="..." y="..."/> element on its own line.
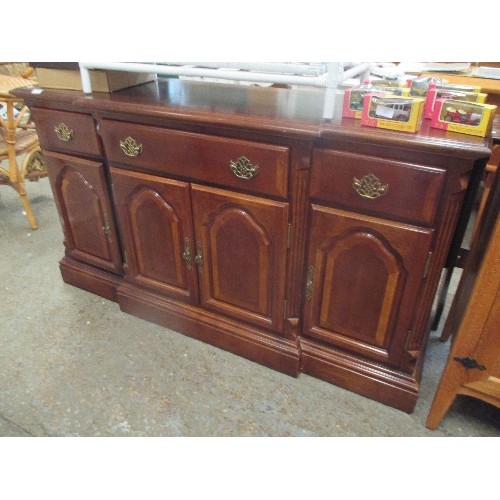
<point x="369" y="187"/>
<point x="131" y="147"/>
<point x="64" y="132"/>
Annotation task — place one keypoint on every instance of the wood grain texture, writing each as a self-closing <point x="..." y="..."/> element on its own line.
<point x="84" y="137"/>
<point x="243" y="240"/>
<point x="147" y="205"/>
<point x="477" y="334"/>
<point x="83" y="202"/>
<point x="226" y="260"/>
<point x="236" y="337"/>
<point x="412" y="192"/>
<point x="199" y="156"/>
<point x="367" y="278"/>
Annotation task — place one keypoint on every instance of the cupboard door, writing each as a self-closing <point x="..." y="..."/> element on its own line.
<point x="155" y="221"/>
<point x="363" y="280"/>
<point x="241" y="255"/>
<point x="83" y="202"/>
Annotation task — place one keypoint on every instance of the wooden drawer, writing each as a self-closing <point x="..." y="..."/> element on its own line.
<point x="250" y="166"/>
<point x="69" y="132"/>
<point x="389" y="188"/>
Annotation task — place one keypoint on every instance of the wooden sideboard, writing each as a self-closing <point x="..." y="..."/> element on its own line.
<point x="238" y="216"/>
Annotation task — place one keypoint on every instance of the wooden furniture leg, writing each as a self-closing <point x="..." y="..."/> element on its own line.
<point x="473" y="366"/>
<point x="17" y="139"/>
<point x="447" y="391"/>
<point x="19" y="187"/>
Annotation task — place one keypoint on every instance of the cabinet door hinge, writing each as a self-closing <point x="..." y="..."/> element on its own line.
<point x="285" y="309"/>
<point x="427" y="265"/>
<point x="289" y="236"/>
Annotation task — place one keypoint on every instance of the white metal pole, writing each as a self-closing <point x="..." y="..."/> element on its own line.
<point x="334" y="77"/>
<point x="85" y="76"/>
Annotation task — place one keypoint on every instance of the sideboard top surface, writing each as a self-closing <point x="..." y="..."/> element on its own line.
<point x="284" y="112"/>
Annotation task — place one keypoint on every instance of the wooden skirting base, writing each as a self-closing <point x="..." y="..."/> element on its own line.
<point x="243" y="340"/>
<point x="385" y="385"/>
<point x="89" y="278"/>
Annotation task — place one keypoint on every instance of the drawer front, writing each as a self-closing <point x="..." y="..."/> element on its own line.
<point x="249" y="166"/>
<point x="64" y="131"/>
<point x="396" y="190"/>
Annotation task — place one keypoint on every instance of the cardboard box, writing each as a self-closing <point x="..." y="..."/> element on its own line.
<point x="393" y="112"/>
<point x="435" y="93"/>
<point x="402" y="84"/>
<point x="353" y="98"/>
<point x="463" y="117"/>
<point x="102" y="81"/>
<point x="420" y="86"/>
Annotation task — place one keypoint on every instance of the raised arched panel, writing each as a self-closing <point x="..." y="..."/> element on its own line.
<point x="83" y="202"/>
<point x="241" y="241"/>
<point x="85" y="219"/>
<point x="155" y="218"/>
<point x="235" y="280"/>
<point x="362" y="280"/>
<point x="364" y="275"/>
<point x="158" y="258"/>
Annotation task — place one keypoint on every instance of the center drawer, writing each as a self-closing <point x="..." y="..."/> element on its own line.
<point x="250" y="166"/>
<point x="394" y="189"/>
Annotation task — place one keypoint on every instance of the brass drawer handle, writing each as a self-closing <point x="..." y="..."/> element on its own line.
<point x="369" y="187"/>
<point x="131" y="147"/>
<point x="64" y="132"/>
<point x="243" y="168"/>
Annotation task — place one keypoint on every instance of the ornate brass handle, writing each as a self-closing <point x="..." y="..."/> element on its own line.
<point x="199" y="255"/>
<point x="243" y="168"/>
<point x="369" y="187"/>
<point x="186" y="255"/>
<point x="310" y="283"/>
<point x="131" y="147"/>
<point x="64" y="132"/>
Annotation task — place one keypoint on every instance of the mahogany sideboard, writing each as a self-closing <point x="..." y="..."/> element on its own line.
<point x="238" y="216"/>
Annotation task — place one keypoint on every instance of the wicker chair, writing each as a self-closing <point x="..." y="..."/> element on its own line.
<point x="19" y="147"/>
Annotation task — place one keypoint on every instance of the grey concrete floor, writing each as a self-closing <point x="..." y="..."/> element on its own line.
<point x="73" y="364"/>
